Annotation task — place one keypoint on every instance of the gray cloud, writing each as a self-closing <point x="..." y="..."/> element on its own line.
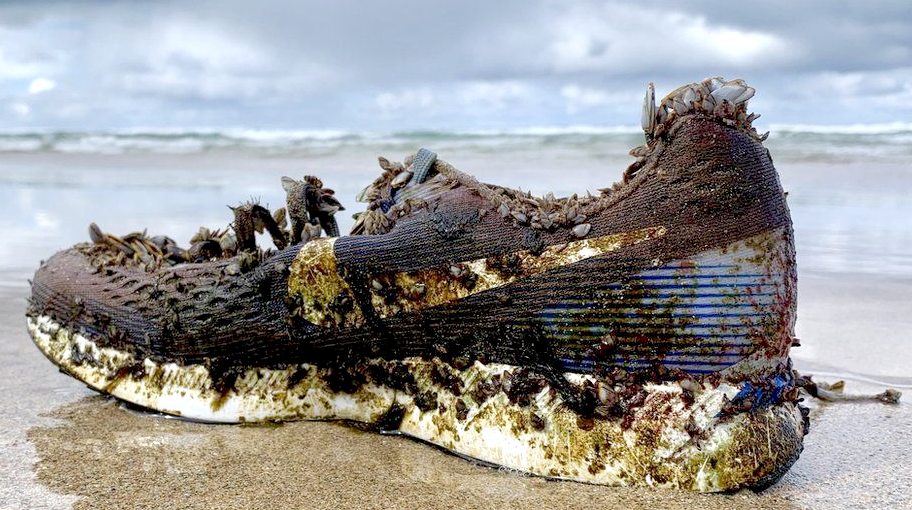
<point x="407" y="64"/>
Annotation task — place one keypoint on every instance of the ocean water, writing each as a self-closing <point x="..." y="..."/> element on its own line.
<point x="849" y="193"/>
<point x="891" y="141"/>
<point x="848" y="185"/>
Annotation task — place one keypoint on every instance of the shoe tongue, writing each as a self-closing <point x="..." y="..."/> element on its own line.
<point x="421" y="166"/>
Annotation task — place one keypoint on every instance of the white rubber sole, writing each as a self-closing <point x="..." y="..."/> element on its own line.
<point x="668" y="441"/>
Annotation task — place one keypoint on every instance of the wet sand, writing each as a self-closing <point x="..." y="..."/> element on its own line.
<point x="64" y="446"/>
<point x="112" y="456"/>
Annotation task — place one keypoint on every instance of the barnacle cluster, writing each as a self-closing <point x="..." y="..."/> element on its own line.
<point x="546" y="213"/>
<point x="386" y="197"/>
<point x="310" y="209"/>
<point x="387" y="201"/>
<point x="725" y="101"/>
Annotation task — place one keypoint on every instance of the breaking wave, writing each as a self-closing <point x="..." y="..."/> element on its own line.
<point x="802" y="141"/>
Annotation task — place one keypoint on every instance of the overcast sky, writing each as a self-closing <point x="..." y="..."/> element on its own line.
<point x="490" y="64"/>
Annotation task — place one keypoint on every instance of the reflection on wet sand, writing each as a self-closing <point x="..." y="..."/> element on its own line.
<point x="112" y="456"/>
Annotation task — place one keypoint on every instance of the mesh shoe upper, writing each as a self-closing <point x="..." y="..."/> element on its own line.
<point x="491" y="290"/>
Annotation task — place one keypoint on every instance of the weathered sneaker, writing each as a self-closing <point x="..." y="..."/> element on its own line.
<point x="640" y="337"/>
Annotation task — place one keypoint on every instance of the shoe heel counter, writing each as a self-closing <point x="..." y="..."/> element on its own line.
<point x="721" y="176"/>
<point x="749" y="187"/>
<point x="729" y="307"/>
<point x="771" y="253"/>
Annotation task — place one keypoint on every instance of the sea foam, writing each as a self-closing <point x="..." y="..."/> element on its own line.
<point x="892" y="140"/>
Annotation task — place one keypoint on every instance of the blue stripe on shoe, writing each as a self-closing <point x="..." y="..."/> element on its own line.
<point x="687" y="286"/>
<point x="718" y="350"/>
<point x="579" y="304"/>
<point x="660" y="327"/>
<point x="698" y="276"/>
<point x="571" y="314"/>
<point x="645" y="363"/>
<point x="650" y="299"/>
<point x="695" y="367"/>
<point x="695" y="267"/>
<point x="592" y="335"/>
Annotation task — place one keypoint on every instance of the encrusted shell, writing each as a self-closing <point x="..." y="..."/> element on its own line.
<point x="582" y="229"/>
<point x="402" y="179"/>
